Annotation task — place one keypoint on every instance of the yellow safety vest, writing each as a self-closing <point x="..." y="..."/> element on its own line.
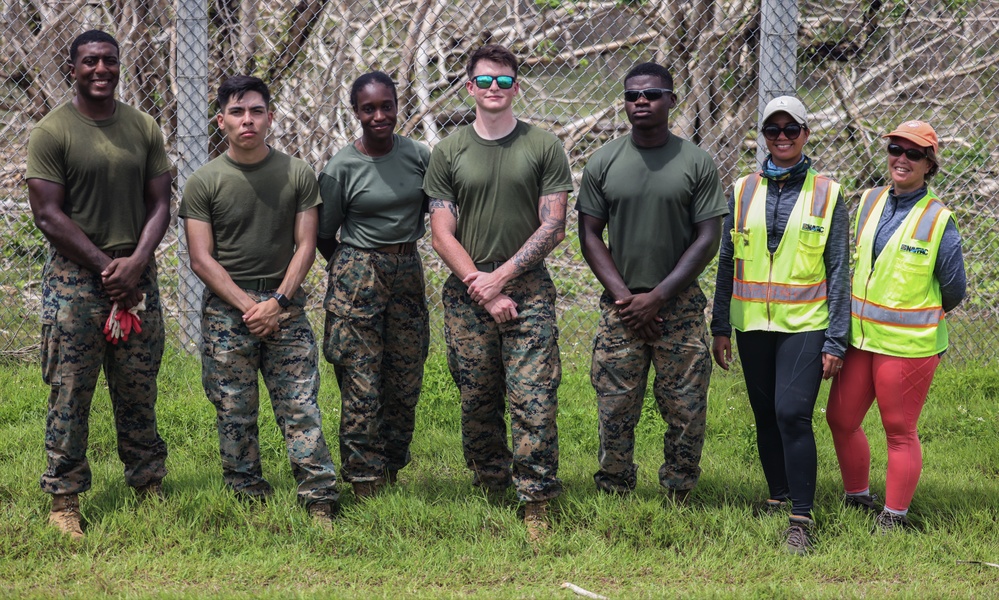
<point x="897" y="308"/>
<point x="785" y="291"/>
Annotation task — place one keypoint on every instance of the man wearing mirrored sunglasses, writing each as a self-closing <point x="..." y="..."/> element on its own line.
<point x="660" y="198"/>
<point x="498" y="192"/>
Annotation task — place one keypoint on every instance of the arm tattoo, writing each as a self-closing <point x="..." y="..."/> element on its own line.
<point x="551" y="211"/>
<point x="438" y="204"/>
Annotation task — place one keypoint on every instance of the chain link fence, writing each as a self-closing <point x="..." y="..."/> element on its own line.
<point x="860" y="67"/>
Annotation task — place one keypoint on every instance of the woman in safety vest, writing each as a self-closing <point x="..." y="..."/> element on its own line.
<point x="783" y="285"/>
<point x="909" y="271"/>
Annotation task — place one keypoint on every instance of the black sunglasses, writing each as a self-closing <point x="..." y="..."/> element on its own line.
<point x="484" y="82"/>
<point x="791" y="131"/>
<point x="910" y="153"/>
<point x="650" y="94"/>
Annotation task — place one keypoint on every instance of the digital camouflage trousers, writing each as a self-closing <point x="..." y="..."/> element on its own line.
<point x="378" y="332"/>
<point x="514" y="363"/>
<point x="73" y="352"/>
<point x="287" y="359"/>
<point x="619" y="374"/>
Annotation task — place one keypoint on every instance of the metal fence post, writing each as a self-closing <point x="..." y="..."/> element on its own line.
<point x="778" y="55"/>
<point x="192" y="147"/>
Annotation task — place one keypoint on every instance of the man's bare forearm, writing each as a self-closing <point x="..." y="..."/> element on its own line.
<point x="306" y="225"/>
<point x="157" y="201"/>
<point x="443" y="225"/>
<point x="551" y="210"/>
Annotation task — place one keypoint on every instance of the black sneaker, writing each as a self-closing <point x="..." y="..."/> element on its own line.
<point x="770" y="507"/>
<point x="797" y="535"/>
<point x="887" y="522"/>
<point x="868" y="503"/>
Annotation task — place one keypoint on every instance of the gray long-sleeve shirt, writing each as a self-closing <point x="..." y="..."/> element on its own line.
<point x="780" y="203"/>
<point x="949" y="268"/>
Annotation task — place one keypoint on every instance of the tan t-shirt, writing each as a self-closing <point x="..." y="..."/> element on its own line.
<point x="103" y="166"/>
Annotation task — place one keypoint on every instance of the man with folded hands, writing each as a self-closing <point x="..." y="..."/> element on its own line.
<point x="99" y="188"/>
<point x="251" y="217"/>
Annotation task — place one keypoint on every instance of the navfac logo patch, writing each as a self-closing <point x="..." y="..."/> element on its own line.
<point x="915" y="250"/>
<point x="812" y="228"/>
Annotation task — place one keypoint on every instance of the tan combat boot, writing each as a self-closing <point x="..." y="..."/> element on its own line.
<point x="150" y="491"/>
<point x="65" y="515"/>
<point x="365" y="490"/>
<point x="536" y="519"/>
<point x="324" y="513"/>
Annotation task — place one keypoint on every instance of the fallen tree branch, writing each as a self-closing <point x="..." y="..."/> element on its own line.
<point x="581" y="592"/>
<point x="973" y="562"/>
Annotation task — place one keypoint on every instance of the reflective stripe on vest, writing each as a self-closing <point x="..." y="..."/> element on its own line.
<point x="918" y="317"/>
<point x="867" y="204"/>
<point x="820" y="204"/>
<point x="786" y="291"/>
<point x="896" y="306"/>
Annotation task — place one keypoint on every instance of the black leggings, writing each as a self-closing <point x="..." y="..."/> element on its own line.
<point x="783" y="372"/>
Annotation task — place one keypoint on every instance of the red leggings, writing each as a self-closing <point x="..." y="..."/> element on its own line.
<point x="901" y="386"/>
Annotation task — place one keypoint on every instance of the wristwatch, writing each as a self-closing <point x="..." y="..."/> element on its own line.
<point x="282" y="300"/>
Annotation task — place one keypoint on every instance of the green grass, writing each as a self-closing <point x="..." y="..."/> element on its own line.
<point x="436" y="536"/>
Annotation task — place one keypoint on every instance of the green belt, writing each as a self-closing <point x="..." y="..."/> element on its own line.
<point x="260" y="285"/>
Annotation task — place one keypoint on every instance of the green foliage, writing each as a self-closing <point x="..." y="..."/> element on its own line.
<point x="434" y="535"/>
<point x="546" y="48"/>
<point x="896" y="8"/>
<point x="24" y="245"/>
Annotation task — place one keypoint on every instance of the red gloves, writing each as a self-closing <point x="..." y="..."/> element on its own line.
<point x="122" y="323"/>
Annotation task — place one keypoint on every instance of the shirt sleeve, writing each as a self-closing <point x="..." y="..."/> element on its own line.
<point x="45" y="157"/>
<point x="722" y="306"/>
<point x="437" y="181"/>
<point x="308" y="187"/>
<point x="556" y="177"/>
<point x="423" y="153"/>
<point x="590" y="200"/>
<point x="709" y="196"/>
<point x="195" y="204"/>
<point x="949" y="268"/>
<point x="837" y="262"/>
<point x="157" y="162"/>
<point x="332" y="211"/>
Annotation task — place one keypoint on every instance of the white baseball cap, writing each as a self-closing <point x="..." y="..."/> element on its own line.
<point x="786" y="104"/>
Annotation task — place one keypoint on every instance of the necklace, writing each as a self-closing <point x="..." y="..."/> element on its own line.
<point x="364" y="149"/>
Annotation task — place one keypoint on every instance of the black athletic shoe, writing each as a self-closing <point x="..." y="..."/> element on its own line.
<point x="868" y="503"/>
<point x="887" y="522"/>
<point x="798" y="535"/>
<point x="770" y="507"/>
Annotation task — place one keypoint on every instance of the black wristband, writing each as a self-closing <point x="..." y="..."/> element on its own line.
<point x="282" y="300"/>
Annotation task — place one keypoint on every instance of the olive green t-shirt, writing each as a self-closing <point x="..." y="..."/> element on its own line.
<point x="103" y="167"/>
<point x="374" y="201"/>
<point x="651" y="198"/>
<point x="252" y="210"/>
<point x="496" y="185"/>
